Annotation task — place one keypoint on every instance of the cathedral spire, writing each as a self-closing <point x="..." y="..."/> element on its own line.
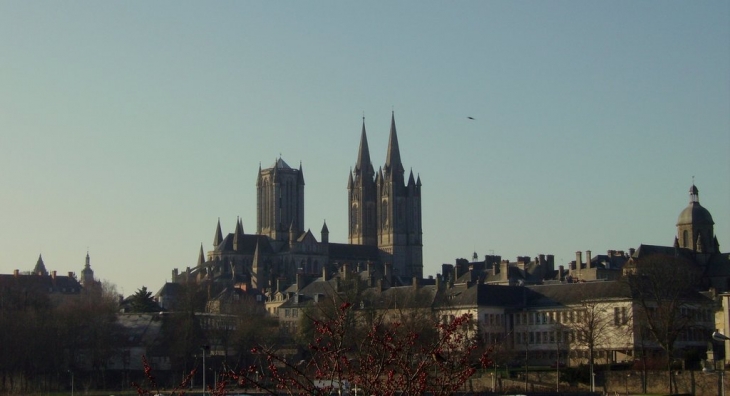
<point x="392" y="160"/>
<point x="218" y="238"/>
<point x="201" y="257"/>
<point x="363" y="164"/>
<point x="40" y="267"/>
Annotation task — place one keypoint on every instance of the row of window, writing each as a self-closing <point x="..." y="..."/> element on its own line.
<point x="552" y="317"/>
<point x="549" y="337"/>
<point x="494" y="319"/>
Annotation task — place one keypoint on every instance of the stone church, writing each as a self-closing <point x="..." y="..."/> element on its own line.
<point x="695" y="242"/>
<point x="385" y="230"/>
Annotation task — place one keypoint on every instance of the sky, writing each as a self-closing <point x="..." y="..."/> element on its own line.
<point x="128" y="128"/>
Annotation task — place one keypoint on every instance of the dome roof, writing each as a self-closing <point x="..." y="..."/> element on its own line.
<point x="694" y="213"/>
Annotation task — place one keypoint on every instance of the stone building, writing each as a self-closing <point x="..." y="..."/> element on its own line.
<point x="384" y="229"/>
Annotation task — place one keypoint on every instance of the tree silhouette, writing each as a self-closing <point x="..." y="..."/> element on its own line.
<point x="142" y="301"/>
<point x="386" y="360"/>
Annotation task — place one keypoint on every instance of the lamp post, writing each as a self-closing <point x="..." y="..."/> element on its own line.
<point x="557" y="366"/>
<point x="626" y="383"/>
<point x="72" y="382"/>
<point x="204" y="348"/>
<point x="717" y="336"/>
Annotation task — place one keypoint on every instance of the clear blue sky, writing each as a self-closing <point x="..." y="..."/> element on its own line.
<point x="128" y="128"/>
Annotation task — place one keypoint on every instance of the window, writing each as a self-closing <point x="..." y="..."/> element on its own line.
<point x="538" y="338"/>
<point x="517" y="319"/>
<point x="616" y="316"/>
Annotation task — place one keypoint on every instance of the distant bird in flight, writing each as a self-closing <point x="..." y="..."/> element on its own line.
<point x="471" y="118"/>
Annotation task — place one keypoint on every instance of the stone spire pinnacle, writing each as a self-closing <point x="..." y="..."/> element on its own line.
<point x="238" y="235"/>
<point x="201" y="257"/>
<point x="218" y="238"/>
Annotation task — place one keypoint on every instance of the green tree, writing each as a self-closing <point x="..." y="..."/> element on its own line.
<point x="142" y="301"/>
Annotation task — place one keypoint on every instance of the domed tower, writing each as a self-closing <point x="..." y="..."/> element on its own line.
<point x="695" y="229"/>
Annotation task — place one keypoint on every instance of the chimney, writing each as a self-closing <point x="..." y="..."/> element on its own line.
<point x="578" y="260"/>
<point x="632" y="251"/>
<point x="300" y="281"/>
<point x="561" y="273"/>
<point x="70" y="274"/>
<point x="551" y="262"/>
<point x="503" y="269"/>
<point x="345" y="271"/>
<point x="324" y="273"/>
<point x="279" y="285"/>
<point x="53" y="275"/>
<point x="588" y="259"/>
<point x="389" y="273"/>
<point x="16" y="273"/>
<point x="415" y="283"/>
<point x="438" y="282"/>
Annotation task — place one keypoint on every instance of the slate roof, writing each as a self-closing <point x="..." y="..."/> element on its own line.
<point x="248" y="245"/>
<point x="484" y="295"/>
<point x="348" y="252"/>
<point x="719" y="265"/>
<point x="43" y="283"/>
<point x="575" y="293"/>
<point x="142" y="329"/>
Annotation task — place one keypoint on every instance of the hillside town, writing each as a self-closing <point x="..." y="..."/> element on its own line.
<point x="621" y="314"/>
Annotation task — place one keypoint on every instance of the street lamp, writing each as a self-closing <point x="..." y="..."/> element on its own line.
<point x="204" y="348"/>
<point x="717" y="336"/>
<point x="72" y="382"/>
<point x="626" y="383"/>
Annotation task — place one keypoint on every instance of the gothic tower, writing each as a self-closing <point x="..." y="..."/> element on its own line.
<point x="695" y="227"/>
<point x="361" y="191"/>
<point x="280" y="201"/>
<point x="399" y="228"/>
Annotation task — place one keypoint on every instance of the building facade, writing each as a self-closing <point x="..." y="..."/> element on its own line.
<point x="384" y="229"/>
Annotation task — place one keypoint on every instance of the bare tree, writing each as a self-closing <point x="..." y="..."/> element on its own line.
<point x="663" y="285"/>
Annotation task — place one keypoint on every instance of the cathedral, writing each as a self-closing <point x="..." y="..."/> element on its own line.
<point x="384" y="234"/>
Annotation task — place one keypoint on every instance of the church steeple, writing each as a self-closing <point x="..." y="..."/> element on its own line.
<point x="40" y="267"/>
<point x="87" y="274"/>
<point x="362" y="194"/>
<point x="363" y="166"/>
<point x="695" y="227"/>
<point x="393" y="165"/>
